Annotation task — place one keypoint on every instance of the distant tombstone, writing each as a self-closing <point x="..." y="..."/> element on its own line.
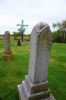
<point x="18" y="41"/>
<point x="7" y="47"/>
<point x="35" y="86"/>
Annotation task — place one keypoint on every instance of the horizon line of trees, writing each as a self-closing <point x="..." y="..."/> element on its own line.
<point x="60" y="34"/>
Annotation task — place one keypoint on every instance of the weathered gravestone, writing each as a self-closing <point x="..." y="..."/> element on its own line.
<point x="7" y="47"/>
<point x="35" y="86"/>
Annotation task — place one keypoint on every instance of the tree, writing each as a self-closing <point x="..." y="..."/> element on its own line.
<point x="63" y="25"/>
<point x="22" y="28"/>
<point x="62" y="31"/>
<point x="57" y="36"/>
<point x="54" y="25"/>
<point x="16" y="35"/>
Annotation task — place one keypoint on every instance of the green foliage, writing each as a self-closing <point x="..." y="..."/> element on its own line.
<point x="60" y="34"/>
<point x="16" y="35"/>
<point x="63" y="24"/>
<point x="27" y="37"/>
<point x="57" y="36"/>
<point x="54" y="25"/>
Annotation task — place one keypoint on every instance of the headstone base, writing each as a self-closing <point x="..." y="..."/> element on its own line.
<point x="25" y="94"/>
<point x="8" y="55"/>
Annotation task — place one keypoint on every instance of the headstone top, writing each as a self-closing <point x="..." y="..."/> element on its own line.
<point x="38" y="28"/>
<point x="42" y="24"/>
<point x="7" y="35"/>
<point x="7" y="32"/>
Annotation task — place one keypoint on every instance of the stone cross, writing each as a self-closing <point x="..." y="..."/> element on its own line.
<point x="22" y="28"/>
<point x="7" y="47"/>
<point x="22" y="25"/>
<point x="35" y="86"/>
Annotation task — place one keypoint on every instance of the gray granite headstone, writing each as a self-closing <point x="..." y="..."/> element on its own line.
<point x="7" y="46"/>
<point x="35" y="86"/>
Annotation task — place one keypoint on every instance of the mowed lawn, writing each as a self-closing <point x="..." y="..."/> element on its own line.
<point x="13" y="72"/>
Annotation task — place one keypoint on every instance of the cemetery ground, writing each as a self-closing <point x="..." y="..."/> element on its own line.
<point x="14" y="71"/>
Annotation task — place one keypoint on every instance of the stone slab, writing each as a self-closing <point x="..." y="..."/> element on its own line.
<point x="7" y="56"/>
<point x="22" y="95"/>
<point x="35" y="88"/>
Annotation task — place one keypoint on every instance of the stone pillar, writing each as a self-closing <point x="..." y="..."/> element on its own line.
<point x="35" y="86"/>
<point x="7" y="47"/>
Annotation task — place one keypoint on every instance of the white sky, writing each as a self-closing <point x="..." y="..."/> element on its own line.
<point x="31" y="11"/>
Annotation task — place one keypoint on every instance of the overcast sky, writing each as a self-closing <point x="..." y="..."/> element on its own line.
<point x="31" y="11"/>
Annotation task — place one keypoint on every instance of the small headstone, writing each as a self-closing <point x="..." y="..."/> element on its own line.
<point x="7" y="47"/>
<point x="35" y="86"/>
<point x="18" y="41"/>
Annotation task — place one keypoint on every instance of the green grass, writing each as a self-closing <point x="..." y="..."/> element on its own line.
<point x="14" y="71"/>
<point x="57" y="71"/>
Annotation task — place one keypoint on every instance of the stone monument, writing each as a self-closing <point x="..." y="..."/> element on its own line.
<point x="7" y="47"/>
<point x="35" y="86"/>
